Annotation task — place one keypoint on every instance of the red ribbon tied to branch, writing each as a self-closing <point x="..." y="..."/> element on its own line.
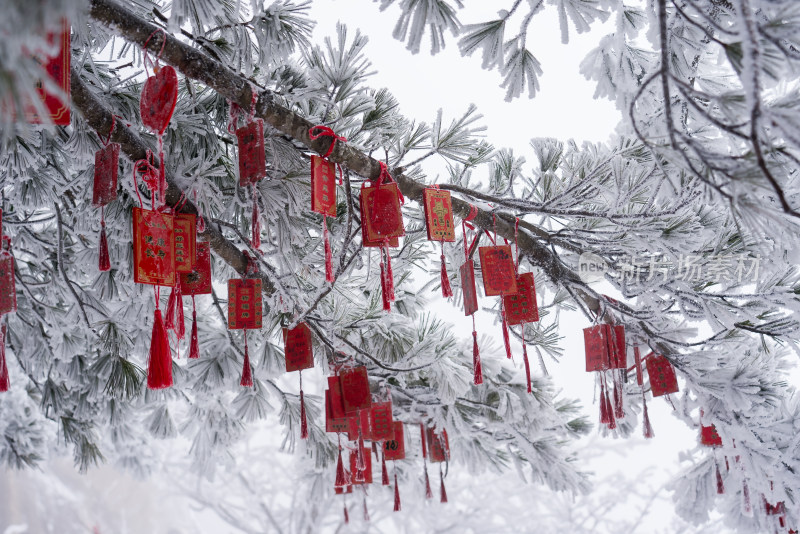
<point x="325" y="131"/>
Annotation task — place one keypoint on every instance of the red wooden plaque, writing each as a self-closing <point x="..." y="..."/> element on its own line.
<point x="393" y="242"/>
<point x="159" y="96"/>
<point x="297" y="349"/>
<point x="252" y="154"/>
<point x="106" y="169"/>
<point x="348" y="489"/>
<point x="395" y="448"/>
<point x="709" y="436"/>
<point x="337" y="402"/>
<point x="468" y="287"/>
<point x="381" y="217"/>
<point x="662" y="376"/>
<point x="438" y="446"/>
<point x="323" y="186"/>
<point x="355" y="389"/>
<point x="58" y="70"/>
<point x="185" y="242"/>
<point x="366" y="474"/>
<point x="596" y="345"/>
<point x="380" y="421"/>
<point x="153" y="248"/>
<point x="334" y="422"/>
<point x="521" y="306"/>
<point x="438" y="214"/>
<point x="198" y="282"/>
<point x="497" y="269"/>
<point x="244" y="304"/>
<point x="354" y="426"/>
<point x="8" y="288"/>
<point x="619" y="354"/>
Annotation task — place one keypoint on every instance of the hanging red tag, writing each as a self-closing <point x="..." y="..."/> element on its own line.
<point x="153" y="248"/>
<point x="244" y="304"/>
<point x="335" y="420"/>
<point x="468" y="287"/>
<point x="159" y="96"/>
<point x="252" y="153"/>
<point x="367" y="472"/>
<point x="662" y="376"/>
<point x="521" y="306"/>
<point x="323" y="186"/>
<point x="355" y="389"/>
<point x="106" y="169"/>
<point x="185" y="242"/>
<point x="58" y="70"/>
<point x="198" y="282"/>
<point x="354" y="426"/>
<point x="395" y="448"/>
<point x="381" y="217"/>
<point x="595" y="340"/>
<point x="497" y="270"/>
<point x="297" y="349"/>
<point x="438" y="445"/>
<point x="438" y="214"/>
<point x="381" y="422"/>
<point x="619" y="354"/>
<point x="347" y="489"/>
<point x="709" y="436"/>
<point x="8" y="288"/>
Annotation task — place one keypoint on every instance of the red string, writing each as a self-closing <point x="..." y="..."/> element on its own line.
<point x="111" y="131"/>
<point x="385" y="175"/>
<point x="516" y="240"/>
<point x="148" y="168"/>
<point x="473" y="212"/>
<point x="325" y="131"/>
<point x="158" y="57"/>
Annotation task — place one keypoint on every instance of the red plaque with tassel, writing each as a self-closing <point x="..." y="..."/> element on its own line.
<point x="438" y="445"/>
<point x="106" y="171"/>
<point x="244" y="304"/>
<point x="153" y="248"/>
<point x="159" y="96"/>
<point x="438" y="214"/>
<point x="366" y="473"/>
<point x="198" y="281"/>
<point x="252" y="153"/>
<point x="381" y="218"/>
<point x="497" y="269"/>
<point x="395" y="448"/>
<point x="468" y="287"/>
<point x="355" y="389"/>
<point x="58" y="69"/>
<point x="662" y="376"/>
<point x="595" y="340"/>
<point x="520" y="307"/>
<point x="185" y="242"/>
<point x="381" y="423"/>
<point x="323" y="186"/>
<point x="709" y="436"/>
<point x="297" y="348"/>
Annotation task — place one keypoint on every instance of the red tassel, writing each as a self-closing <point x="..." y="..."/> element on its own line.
<point x="396" y="495"/>
<point x="4" y="382"/>
<point x="346" y="516"/>
<point x="303" y="419"/>
<point x="194" y="345"/>
<point x="389" y="275"/>
<point x="428" y="492"/>
<point x="506" y="340"/>
<point x="720" y="485"/>
<point x="169" y="319"/>
<point x="180" y="323"/>
<point x="612" y="424"/>
<point x="604" y="419"/>
<point x="647" y="428"/>
<point x="476" y="360"/>
<point x="619" y="412"/>
<point x="105" y="263"/>
<point x="443" y="493"/>
<point x="447" y="291"/>
<point x="747" y="507"/>
<point x="255" y="226"/>
<point x="527" y="364"/>
<point x="159" y="366"/>
<point x="328" y="253"/>
<point x="340" y="479"/>
<point x="366" y="512"/>
<point x="247" y="374"/>
<point x="384" y="472"/>
<point x="387" y="306"/>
